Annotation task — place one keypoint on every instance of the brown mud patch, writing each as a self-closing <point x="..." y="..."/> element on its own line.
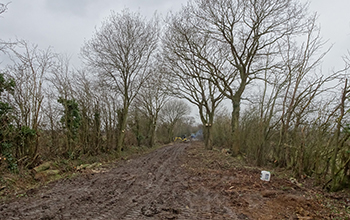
<point x="180" y="181"/>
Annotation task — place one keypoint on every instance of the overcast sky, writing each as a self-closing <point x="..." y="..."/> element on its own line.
<point x="66" y="24"/>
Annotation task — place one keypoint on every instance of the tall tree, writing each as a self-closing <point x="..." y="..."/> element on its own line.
<point x="247" y="32"/>
<point x="87" y="98"/>
<point x="301" y="87"/>
<point x="151" y="100"/>
<point x="189" y="75"/>
<point x="30" y="66"/>
<point x="121" y="52"/>
<point x="341" y="135"/>
<point x="60" y="87"/>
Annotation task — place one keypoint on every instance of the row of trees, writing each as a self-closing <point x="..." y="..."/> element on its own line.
<point x="267" y="55"/>
<point x="49" y="109"/>
<point x="262" y="54"/>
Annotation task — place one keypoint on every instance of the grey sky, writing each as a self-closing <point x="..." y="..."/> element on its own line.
<point x="65" y="24"/>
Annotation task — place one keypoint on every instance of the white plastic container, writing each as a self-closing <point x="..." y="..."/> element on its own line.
<point x="265" y="175"/>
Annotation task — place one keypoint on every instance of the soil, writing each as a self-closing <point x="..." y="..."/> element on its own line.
<point x="179" y="181"/>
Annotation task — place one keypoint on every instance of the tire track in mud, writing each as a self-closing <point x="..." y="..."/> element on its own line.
<point x="153" y="186"/>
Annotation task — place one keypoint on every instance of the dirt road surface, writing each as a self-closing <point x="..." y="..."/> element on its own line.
<point x="179" y="181"/>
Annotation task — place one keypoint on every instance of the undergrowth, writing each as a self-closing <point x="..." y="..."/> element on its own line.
<point x="16" y="184"/>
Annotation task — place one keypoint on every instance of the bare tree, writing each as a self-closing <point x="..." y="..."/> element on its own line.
<point x="51" y="118"/>
<point x="109" y="101"/>
<point x="30" y="67"/>
<point x="60" y="87"/>
<point x="341" y="134"/>
<point x="189" y="76"/>
<point x="85" y="91"/>
<point x="259" y="121"/>
<point x="246" y="32"/>
<point x="121" y="52"/>
<point x="338" y="139"/>
<point x="302" y="86"/>
<point x="291" y="120"/>
<point x="151" y="100"/>
<point x="172" y="112"/>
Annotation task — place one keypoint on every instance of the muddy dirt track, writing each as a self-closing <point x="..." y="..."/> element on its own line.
<point x="170" y="183"/>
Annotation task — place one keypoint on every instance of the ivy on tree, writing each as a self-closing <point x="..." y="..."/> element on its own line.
<point x="71" y="120"/>
<point x="6" y="127"/>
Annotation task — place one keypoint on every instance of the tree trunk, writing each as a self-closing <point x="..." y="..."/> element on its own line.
<point x="122" y="116"/>
<point x="235" y="126"/>
<point x="208" y="137"/>
<point x="152" y="134"/>
<point x="301" y="153"/>
<point x="337" y="137"/>
<point x="171" y="132"/>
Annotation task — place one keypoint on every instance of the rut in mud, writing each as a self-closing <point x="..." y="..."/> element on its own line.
<point x="153" y="186"/>
<point x="180" y="181"/>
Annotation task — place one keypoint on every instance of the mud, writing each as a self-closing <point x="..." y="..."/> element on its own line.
<point x="174" y="182"/>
